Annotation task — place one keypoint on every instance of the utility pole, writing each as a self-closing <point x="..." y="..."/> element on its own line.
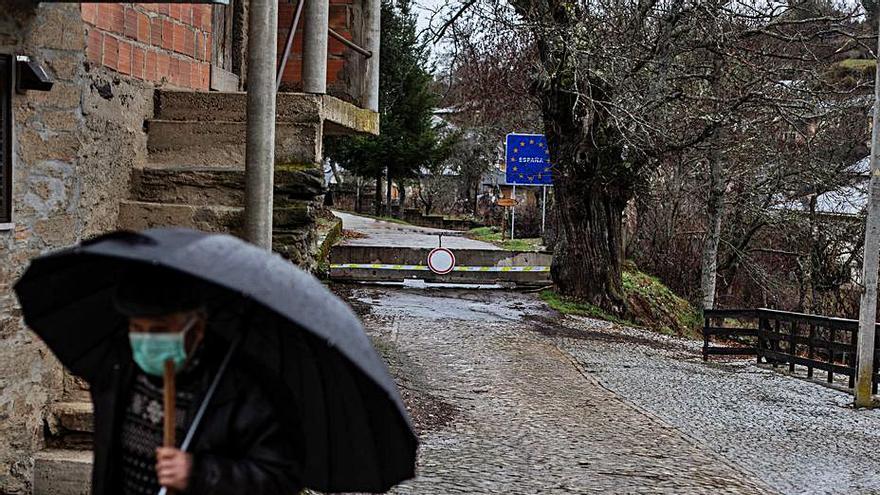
<point x="868" y="306"/>
<point x="260" y="148"/>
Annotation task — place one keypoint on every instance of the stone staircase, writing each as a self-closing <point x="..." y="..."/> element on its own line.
<point x="194" y="177"/>
<point x="64" y="467"/>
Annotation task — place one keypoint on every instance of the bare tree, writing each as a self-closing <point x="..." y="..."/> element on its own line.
<point x="623" y="86"/>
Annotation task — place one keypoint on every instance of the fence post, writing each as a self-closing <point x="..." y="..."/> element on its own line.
<point x="831" y="353"/>
<point x="706" y="324"/>
<point x="853" y="358"/>
<point x="811" y="350"/>
<point x="759" y="349"/>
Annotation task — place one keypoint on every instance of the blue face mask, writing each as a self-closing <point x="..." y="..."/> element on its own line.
<point x="151" y="350"/>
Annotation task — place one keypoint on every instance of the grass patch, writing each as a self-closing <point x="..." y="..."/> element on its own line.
<point x="651" y="305"/>
<point x="571" y="307"/>
<point x="495" y="236"/>
<point x="859" y="64"/>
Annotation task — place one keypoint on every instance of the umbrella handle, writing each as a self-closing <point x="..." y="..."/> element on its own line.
<point x="170" y="405"/>
<point x="170" y="391"/>
<point x="197" y="419"/>
<point x="203" y="407"/>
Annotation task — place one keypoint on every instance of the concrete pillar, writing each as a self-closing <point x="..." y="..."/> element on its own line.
<point x="315" y="24"/>
<point x="260" y="148"/>
<point x="372" y="27"/>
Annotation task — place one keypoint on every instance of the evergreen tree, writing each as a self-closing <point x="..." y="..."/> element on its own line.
<point x="409" y="139"/>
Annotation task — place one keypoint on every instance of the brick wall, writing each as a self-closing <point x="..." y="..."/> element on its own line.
<point x="168" y="43"/>
<point x="343" y="17"/>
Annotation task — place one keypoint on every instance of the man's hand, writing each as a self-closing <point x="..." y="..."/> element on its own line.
<point x="172" y="468"/>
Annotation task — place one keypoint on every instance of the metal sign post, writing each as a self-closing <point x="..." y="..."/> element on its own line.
<point x="513" y="213"/>
<point x="543" y="208"/>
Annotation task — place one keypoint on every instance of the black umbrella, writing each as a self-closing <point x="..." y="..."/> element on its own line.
<point x="356" y="431"/>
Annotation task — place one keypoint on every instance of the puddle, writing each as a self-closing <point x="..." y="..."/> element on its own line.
<point x="444" y="305"/>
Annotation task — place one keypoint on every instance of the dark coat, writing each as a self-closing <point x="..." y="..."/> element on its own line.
<point x="242" y="446"/>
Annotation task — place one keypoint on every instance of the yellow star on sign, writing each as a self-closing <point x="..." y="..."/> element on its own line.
<point x="515" y="169"/>
<point x="516" y="150"/>
<point x="522" y="143"/>
<point x="513" y="160"/>
<point x="520" y="176"/>
<point x="540" y="145"/>
<point x="531" y="141"/>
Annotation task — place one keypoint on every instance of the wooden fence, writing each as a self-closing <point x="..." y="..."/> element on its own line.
<point x="784" y="338"/>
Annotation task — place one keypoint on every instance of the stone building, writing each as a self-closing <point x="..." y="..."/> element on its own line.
<point x="144" y="125"/>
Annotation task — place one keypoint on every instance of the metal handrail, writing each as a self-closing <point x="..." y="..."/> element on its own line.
<point x="347" y="42"/>
<point x="288" y="45"/>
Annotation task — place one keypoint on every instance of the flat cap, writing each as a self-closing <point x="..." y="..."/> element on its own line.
<point x="146" y="290"/>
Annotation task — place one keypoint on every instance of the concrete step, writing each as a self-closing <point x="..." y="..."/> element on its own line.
<point x="222" y="143"/>
<point x="232" y="107"/>
<point x="508" y="268"/>
<point x="62" y="472"/>
<point x="202" y="186"/>
<point x="344" y="253"/>
<point x="139" y="215"/>
<point x="72" y="416"/>
<point x="70" y="425"/>
<point x="503" y="279"/>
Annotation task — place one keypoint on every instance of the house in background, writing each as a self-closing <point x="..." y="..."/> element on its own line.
<point x="144" y="125"/>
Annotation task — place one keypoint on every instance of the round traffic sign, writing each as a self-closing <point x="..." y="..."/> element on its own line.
<point x="441" y="261"/>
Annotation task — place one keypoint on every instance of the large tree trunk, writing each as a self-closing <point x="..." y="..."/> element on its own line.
<point x="587" y="257"/>
<point x="401" y="194"/>
<point x="476" y="203"/>
<point x="357" y="200"/>
<point x="377" y="200"/>
<point x="387" y="191"/>
<point x="593" y="184"/>
<point x="715" y="208"/>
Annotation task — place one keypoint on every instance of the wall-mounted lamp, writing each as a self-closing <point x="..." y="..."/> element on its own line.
<point x="30" y="75"/>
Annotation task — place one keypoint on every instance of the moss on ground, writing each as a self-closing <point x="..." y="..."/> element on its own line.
<point x="571" y="307"/>
<point x="862" y="65"/>
<point x="651" y="305"/>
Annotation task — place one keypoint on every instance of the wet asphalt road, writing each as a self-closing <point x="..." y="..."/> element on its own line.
<point x="509" y="397"/>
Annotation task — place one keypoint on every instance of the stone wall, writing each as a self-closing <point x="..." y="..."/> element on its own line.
<point x="74" y="149"/>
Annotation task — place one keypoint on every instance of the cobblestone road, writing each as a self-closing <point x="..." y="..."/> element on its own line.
<point x="502" y="409"/>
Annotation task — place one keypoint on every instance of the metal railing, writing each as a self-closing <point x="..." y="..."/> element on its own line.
<point x="782" y="338"/>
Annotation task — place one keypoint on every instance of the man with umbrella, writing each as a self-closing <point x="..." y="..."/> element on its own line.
<point x="249" y="449"/>
<point x="278" y="386"/>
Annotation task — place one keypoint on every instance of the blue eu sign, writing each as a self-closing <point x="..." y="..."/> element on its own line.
<point x="528" y="159"/>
